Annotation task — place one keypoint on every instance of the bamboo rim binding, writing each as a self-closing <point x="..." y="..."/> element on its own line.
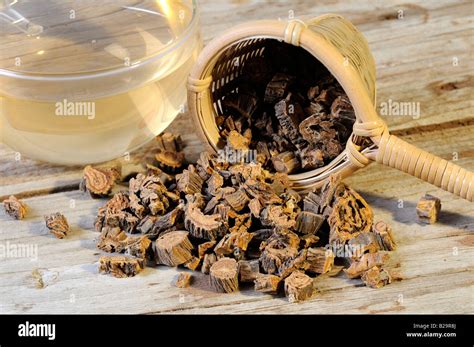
<point x="342" y="49"/>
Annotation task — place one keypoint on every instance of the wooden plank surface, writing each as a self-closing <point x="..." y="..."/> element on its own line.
<point x="414" y="58"/>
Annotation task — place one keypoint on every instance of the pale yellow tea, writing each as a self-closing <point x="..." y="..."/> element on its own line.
<point x="91" y="92"/>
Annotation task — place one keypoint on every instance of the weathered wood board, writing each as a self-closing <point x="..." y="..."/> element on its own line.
<point x="423" y="54"/>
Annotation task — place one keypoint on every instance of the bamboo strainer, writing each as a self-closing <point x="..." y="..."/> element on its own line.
<point x="342" y="49"/>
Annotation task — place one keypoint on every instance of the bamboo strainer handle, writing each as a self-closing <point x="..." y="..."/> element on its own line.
<point x="396" y="153"/>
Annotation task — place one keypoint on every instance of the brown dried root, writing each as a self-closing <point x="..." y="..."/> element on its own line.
<point x="224" y="275"/>
<point x="350" y="216"/>
<point x="267" y="283"/>
<point x="57" y="224"/>
<point x="120" y="266"/>
<point x="183" y="280"/>
<point x="173" y="248"/>
<point x="366" y="262"/>
<point x="298" y="286"/>
<point x="14" y="207"/>
<point x="428" y="209"/>
<point x="376" y="277"/>
<point x="99" y="181"/>
<point x="201" y="226"/>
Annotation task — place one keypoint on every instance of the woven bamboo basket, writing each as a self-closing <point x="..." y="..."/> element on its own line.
<point x="342" y="49"/>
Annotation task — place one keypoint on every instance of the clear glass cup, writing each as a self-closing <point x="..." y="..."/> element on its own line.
<point x="85" y="81"/>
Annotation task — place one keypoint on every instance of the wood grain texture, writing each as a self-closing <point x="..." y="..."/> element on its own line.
<point x="414" y="58"/>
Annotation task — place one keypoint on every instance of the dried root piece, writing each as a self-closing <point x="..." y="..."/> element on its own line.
<point x="146" y="224"/>
<point x="309" y="129"/>
<point x="57" y="225"/>
<point x="342" y="110"/>
<point x="309" y="222"/>
<point x="286" y="162"/>
<point x="201" y="226"/>
<point x="224" y="275"/>
<point x="120" y="266"/>
<point x="115" y="240"/>
<point x="277" y="88"/>
<point x="116" y="213"/>
<point x="428" y="209"/>
<point x="233" y="241"/>
<point x="274" y="216"/>
<point x="298" y="286"/>
<point x="169" y="142"/>
<point x="366" y="262"/>
<point x="319" y="260"/>
<point x="289" y="122"/>
<point x="364" y="243"/>
<point x="189" y="182"/>
<point x="193" y="263"/>
<point x="162" y="223"/>
<point x="183" y="280"/>
<point x="350" y="215"/>
<point x="112" y="239"/>
<point x="139" y="246"/>
<point x="237" y="200"/>
<point x="309" y="240"/>
<point x="107" y="215"/>
<point x="296" y="263"/>
<point x="148" y="194"/>
<point x="14" y="207"/>
<point x="272" y="259"/>
<point x="322" y="201"/>
<point x="321" y="131"/>
<point x="344" y="117"/>
<point x="383" y="231"/>
<point x="376" y="277"/>
<point x="237" y="142"/>
<point x="214" y="183"/>
<point x="255" y="207"/>
<point x="205" y="247"/>
<point x="240" y="104"/>
<point x="169" y="160"/>
<point x="99" y="181"/>
<point x="282" y="239"/>
<point x="249" y="270"/>
<point x="311" y="158"/>
<point x="173" y="248"/>
<point x="152" y="170"/>
<point x="264" y="192"/>
<point x="207" y="262"/>
<point x="267" y="283"/>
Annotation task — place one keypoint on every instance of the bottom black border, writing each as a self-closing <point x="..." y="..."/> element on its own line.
<point x="356" y="330"/>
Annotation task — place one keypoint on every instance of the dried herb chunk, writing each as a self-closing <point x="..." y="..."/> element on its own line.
<point x="14" y="207"/>
<point x="365" y="263"/>
<point x="249" y="270"/>
<point x="384" y="235"/>
<point x="319" y="260"/>
<point x="173" y="248"/>
<point x="57" y="224"/>
<point x="267" y="283"/>
<point x="298" y="286"/>
<point x="120" y="266"/>
<point x="376" y="277"/>
<point x="183" y="280"/>
<point x="223" y="275"/>
<point x="428" y="209"/>
<point x="99" y="181"/>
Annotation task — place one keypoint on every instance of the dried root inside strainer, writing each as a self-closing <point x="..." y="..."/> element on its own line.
<point x="288" y="108"/>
